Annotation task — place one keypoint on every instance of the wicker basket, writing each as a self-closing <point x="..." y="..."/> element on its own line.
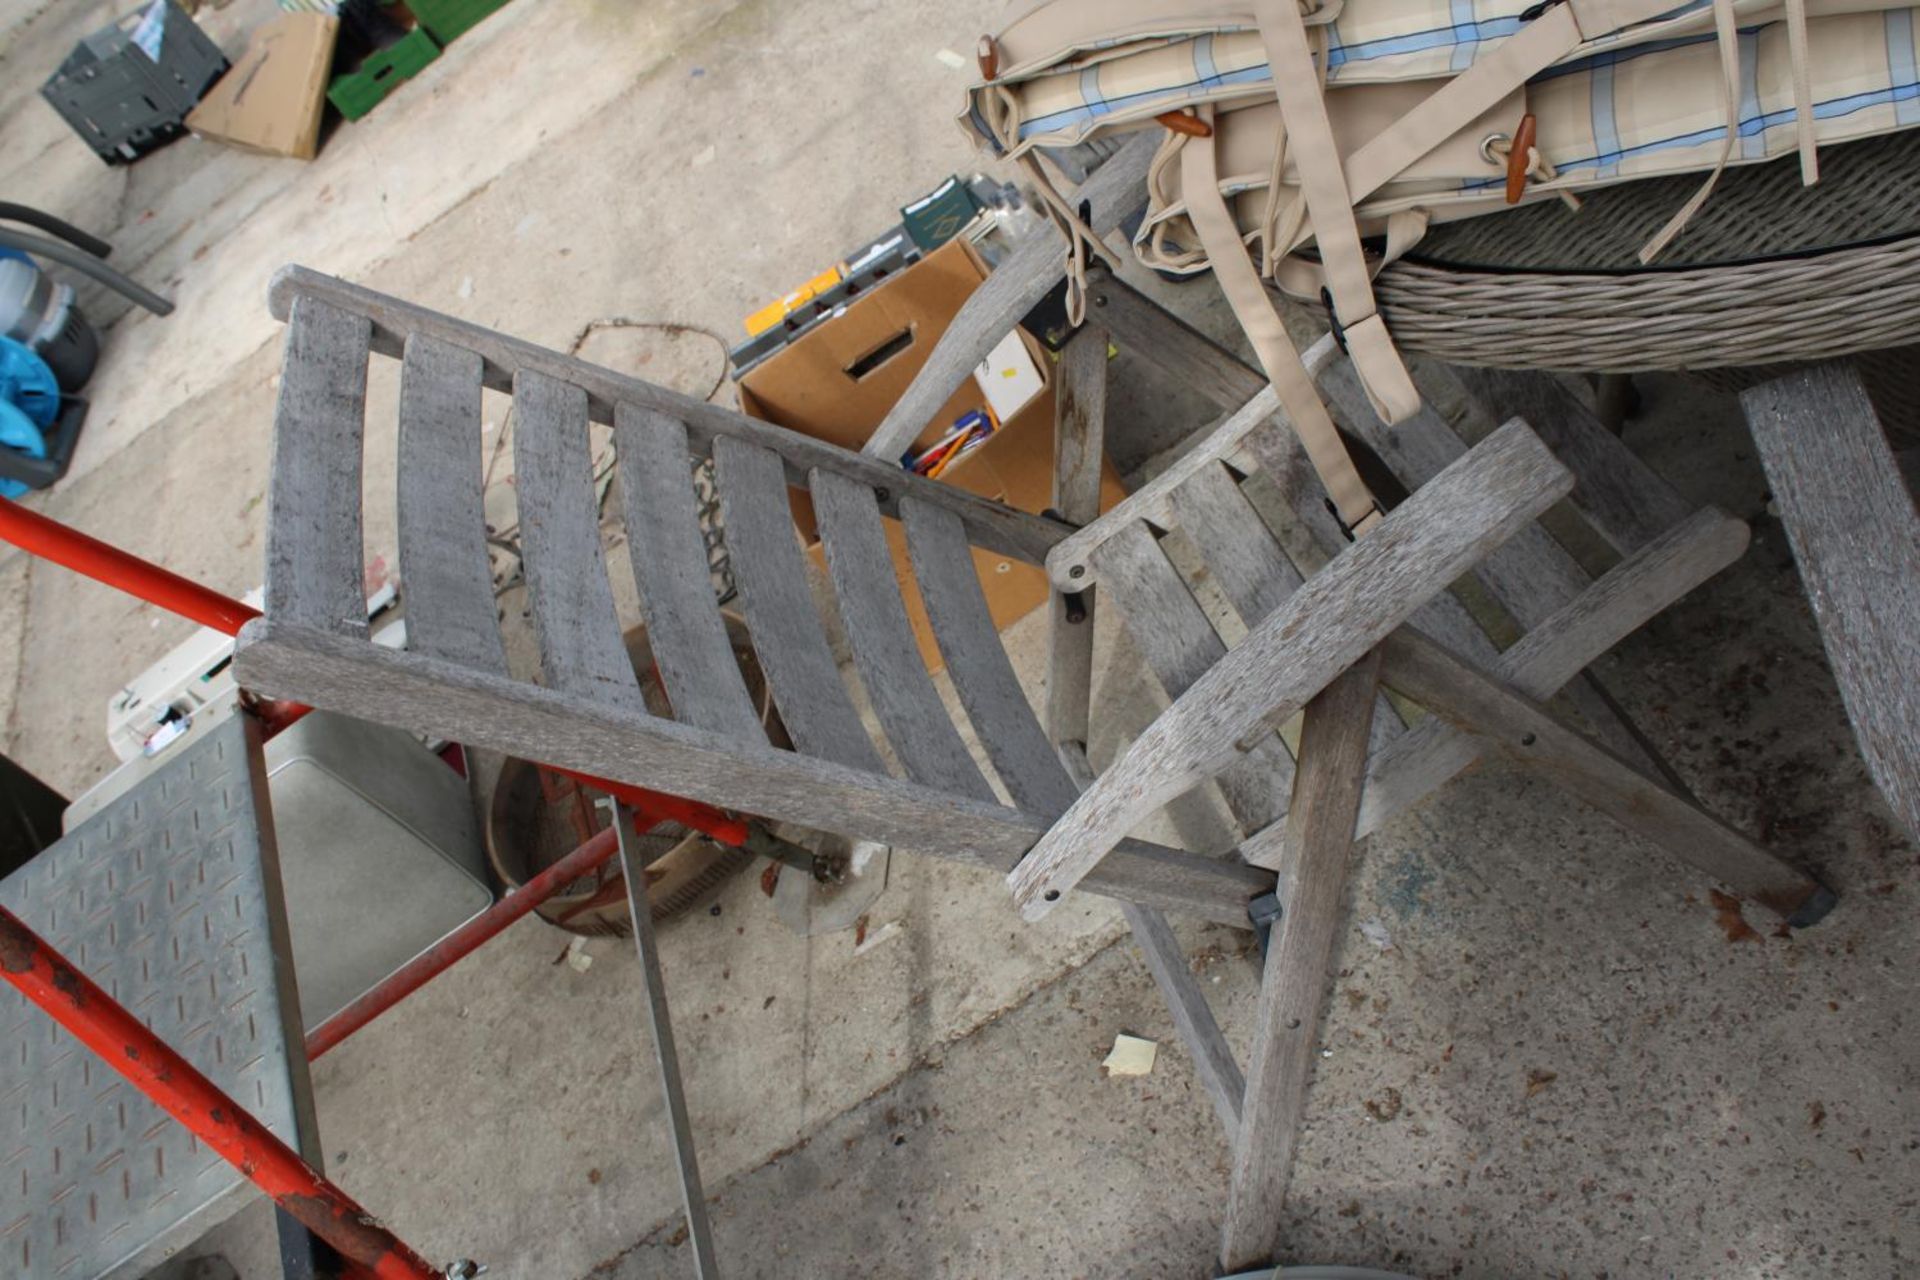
<point x="1768" y="273"/>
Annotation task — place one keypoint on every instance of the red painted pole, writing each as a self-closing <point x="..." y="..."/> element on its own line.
<point x="37" y="535"/>
<point x="123" y="1042"/>
<point x="450" y="950"/>
<point x="658" y="808"/>
<point x="50" y="540"/>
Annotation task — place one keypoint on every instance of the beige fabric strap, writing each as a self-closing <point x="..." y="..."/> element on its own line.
<point x="1800" y="58"/>
<point x="1552" y="36"/>
<point x="1302" y="278"/>
<point x="1316" y="157"/>
<point x="1003" y="117"/>
<point x="1240" y="282"/>
<point x="1080" y="238"/>
<point x="1726" y="31"/>
<point x="1493" y="75"/>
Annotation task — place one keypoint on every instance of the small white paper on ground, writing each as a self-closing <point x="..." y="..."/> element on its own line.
<point x="1131" y="1056"/>
<point x="891" y="929"/>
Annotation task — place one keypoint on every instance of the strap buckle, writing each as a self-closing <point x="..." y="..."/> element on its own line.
<point x="1263" y="913"/>
<point x="1347" y="530"/>
<point x="1333" y="320"/>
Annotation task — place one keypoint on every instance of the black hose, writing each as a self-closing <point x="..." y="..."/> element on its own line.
<point x="53" y="226"/>
<point x="86" y="264"/>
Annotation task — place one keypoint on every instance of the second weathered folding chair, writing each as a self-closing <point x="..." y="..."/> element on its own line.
<point x="1322" y="643"/>
<point x="1311" y="646"/>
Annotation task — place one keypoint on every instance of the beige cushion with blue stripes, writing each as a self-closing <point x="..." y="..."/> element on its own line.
<point x="1643" y="103"/>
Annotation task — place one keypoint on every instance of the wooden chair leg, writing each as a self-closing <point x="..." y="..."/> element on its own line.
<point x="1528" y="734"/>
<point x="1213" y="1060"/>
<point x="1293" y="990"/>
<point x="1079" y="443"/>
<point x="1856" y="536"/>
<point x="1615" y="399"/>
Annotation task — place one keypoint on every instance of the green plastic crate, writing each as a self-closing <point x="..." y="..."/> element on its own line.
<point x="449" y="18"/>
<point x="383" y="71"/>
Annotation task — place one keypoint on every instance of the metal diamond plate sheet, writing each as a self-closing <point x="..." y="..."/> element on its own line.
<point x="170" y="899"/>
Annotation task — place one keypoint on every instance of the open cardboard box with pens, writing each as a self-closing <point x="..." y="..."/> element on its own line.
<point x="837" y="380"/>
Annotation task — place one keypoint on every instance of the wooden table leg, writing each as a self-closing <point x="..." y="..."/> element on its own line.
<point x="1856" y="536"/>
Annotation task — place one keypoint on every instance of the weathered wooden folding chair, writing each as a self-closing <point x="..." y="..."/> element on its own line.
<point x="589" y="715"/>
<point x="1418" y="180"/>
<point x="1322" y="644"/>
<point x="1303" y="820"/>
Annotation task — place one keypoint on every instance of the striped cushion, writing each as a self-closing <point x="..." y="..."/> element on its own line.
<point x="1642" y="103"/>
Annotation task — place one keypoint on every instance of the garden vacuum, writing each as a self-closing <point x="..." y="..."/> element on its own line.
<point x="47" y="347"/>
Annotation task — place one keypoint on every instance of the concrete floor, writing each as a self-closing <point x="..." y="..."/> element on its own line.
<point x="1558" y="1065"/>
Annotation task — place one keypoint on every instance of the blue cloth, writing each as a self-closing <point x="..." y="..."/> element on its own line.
<point x="29" y="404"/>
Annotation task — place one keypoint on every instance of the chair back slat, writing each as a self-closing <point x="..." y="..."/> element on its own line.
<point x="993" y="525"/>
<point x="1363" y="595"/>
<point x="1253" y="570"/>
<point x="874" y="613"/>
<point x="685" y="629"/>
<point x="1180" y="646"/>
<point x="1239" y="549"/>
<point x="315" y="558"/>
<point x="1532" y="576"/>
<point x="567" y="588"/>
<point x="772" y="577"/>
<point x="442" y="524"/>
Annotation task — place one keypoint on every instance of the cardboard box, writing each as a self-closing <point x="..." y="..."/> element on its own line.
<point x="838" y="380"/>
<point x="272" y="99"/>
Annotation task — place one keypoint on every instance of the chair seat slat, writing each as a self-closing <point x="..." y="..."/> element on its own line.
<point x="977" y="664"/>
<point x="567" y="589"/>
<point x="1241" y="552"/>
<point x="1282" y="460"/>
<point x="442" y="523"/>
<point x="1532" y="576"/>
<point x="874" y="613"/>
<point x="685" y="629"/>
<point x="1363" y="595"/>
<point x="1181" y="645"/>
<point x="315" y="560"/>
<point x="1248" y="561"/>
<point x="774" y="596"/>
<point x="1627" y="502"/>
